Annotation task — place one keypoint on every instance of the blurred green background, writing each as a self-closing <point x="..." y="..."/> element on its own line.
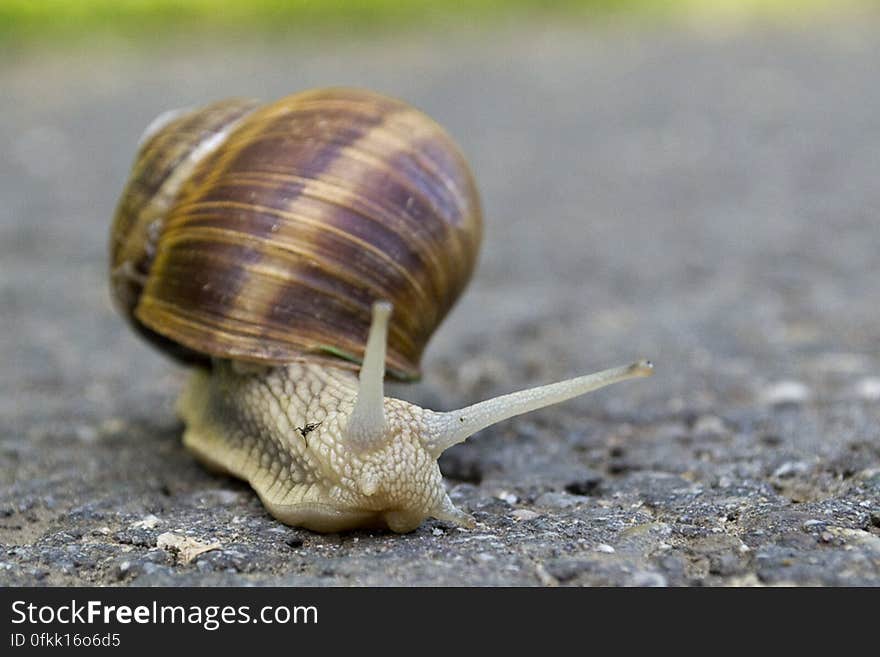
<point x="26" y="23"/>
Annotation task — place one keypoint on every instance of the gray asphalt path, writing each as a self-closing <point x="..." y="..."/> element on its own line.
<point x="708" y="200"/>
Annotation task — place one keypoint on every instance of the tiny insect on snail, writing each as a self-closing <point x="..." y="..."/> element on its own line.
<point x="294" y="253"/>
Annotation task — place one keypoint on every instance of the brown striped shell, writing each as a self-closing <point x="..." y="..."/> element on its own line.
<point x="265" y="233"/>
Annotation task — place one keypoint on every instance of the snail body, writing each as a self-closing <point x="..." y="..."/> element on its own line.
<point x="267" y="245"/>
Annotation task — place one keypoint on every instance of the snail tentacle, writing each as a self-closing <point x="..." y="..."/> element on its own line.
<point x="448" y="429"/>
<point x="366" y="425"/>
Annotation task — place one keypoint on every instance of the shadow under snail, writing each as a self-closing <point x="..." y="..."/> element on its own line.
<point x="266" y="245"/>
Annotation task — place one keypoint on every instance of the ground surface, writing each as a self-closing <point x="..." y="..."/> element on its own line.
<point x="708" y="200"/>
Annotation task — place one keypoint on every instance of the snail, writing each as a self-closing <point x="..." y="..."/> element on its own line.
<point x="295" y="253"/>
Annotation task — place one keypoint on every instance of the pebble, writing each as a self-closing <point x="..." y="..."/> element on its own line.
<point x="147" y="522"/>
<point x="510" y="498"/>
<point x="785" y="392"/>
<point x="522" y="515"/>
<point x="604" y="547"/>
<point x="183" y="547"/>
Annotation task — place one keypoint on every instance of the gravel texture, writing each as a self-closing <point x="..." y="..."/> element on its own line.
<point x="708" y="199"/>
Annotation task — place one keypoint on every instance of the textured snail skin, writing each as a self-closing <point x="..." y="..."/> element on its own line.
<point x="245" y="424"/>
<point x="376" y="468"/>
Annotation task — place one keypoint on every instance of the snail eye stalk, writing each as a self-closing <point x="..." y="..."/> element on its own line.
<point x="448" y="429"/>
<point x="366" y="426"/>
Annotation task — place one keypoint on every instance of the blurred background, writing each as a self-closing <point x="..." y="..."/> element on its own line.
<point x="691" y="181"/>
<point x="623" y="148"/>
<point x="29" y="21"/>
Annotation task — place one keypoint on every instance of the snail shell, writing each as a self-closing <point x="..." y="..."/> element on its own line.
<point x="266" y="233"/>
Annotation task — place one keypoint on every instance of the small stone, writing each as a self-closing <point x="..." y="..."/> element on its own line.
<point x="785" y="393"/>
<point x="510" y="498"/>
<point x="147" y="522"/>
<point x="437" y="531"/>
<point x="604" y="547"/>
<point x="522" y="515"/>
<point x="183" y="547"/>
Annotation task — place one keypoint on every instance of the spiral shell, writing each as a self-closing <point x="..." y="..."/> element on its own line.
<point x="265" y="234"/>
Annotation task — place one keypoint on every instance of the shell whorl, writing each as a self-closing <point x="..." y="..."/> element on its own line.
<point x="169" y="150"/>
<point x="282" y="235"/>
